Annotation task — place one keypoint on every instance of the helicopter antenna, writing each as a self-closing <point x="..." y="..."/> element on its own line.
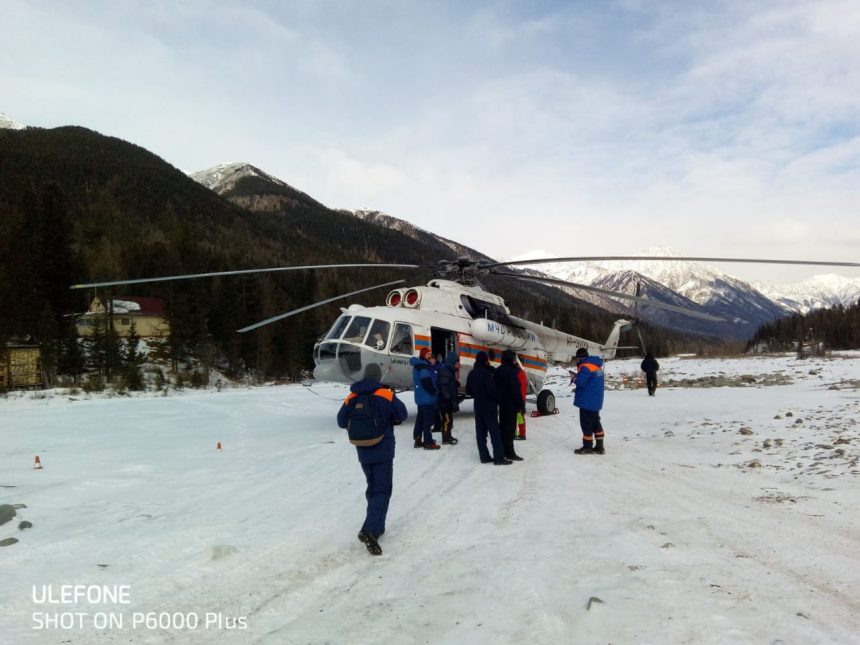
<point x="316" y="304"/>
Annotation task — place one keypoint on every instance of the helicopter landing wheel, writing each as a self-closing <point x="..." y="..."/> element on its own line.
<point x="546" y="402"/>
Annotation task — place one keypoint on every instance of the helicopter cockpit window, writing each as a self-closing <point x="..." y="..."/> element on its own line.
<point x="338" y="327"/>
<point x="378" y="336"/>
<point x="401" y="340"/>
<point x="357" y="330"/>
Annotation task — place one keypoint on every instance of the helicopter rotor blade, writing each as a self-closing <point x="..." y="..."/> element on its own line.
<point x="613" y="294"/>
<point x="663" y="258"/>
<point x="636" y="318"/>
<point x="316" y="304"/>
<point x="641" y="340"/>
<point x="213" y="274"/>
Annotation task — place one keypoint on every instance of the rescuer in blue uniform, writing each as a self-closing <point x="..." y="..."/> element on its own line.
<point x="588" y="397"/>
<point x="424" y="381"/>
<point x="377" y="461"/>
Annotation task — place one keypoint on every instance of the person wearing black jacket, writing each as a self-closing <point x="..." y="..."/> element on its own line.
<point x="446" y="403"/>
<point x="510" y="401"/>
<point x="650" y="367"/>
<point x="482" y="388"/>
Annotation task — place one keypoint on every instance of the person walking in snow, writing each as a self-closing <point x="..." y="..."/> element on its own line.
<point x="377" y="461"/>
<point x="588" y="397"/>
<point x="424" y="381"/>
<point x="446" y="382"/>
<point x="511" y="401"/>
<point x="482" y="388"/>
<point x="650" y="366"/>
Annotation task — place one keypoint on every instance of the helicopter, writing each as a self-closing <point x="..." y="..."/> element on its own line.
<point x="453" y="313"/>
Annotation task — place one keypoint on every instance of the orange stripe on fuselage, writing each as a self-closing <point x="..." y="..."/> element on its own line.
<point x="528" y="361"/>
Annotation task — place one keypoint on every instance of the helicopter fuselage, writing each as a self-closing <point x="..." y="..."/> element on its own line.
<point x="445" y="317"/>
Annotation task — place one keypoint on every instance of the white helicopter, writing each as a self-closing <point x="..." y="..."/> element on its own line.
<point x="452" y="316"/>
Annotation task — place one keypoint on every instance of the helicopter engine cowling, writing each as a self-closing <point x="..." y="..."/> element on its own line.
<point x="496" y="333"/>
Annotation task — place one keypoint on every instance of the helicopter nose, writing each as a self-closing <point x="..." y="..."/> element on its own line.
<point x="338" y="362"/>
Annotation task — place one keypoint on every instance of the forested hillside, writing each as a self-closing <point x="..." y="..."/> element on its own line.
<point x="837" y="328"/>
<point x="78" y="206"/>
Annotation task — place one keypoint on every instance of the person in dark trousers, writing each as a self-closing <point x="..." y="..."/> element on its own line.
<point x="650" y="367"/>
<point x="424" y="381"/>
<point x="588" y="397"/>
<point x="521" y="416"/>
<point x="446" y="403"/>
<point x="482" y="388"/>
<point x="438" y="419"/>
<point x="376" y="461"/>
<point x="511" y="401"/>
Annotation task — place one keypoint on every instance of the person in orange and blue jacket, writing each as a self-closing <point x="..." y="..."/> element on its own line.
<point x="377" y="461"/>
<point x="588" y="397"/>
<point x="426" y="395"/>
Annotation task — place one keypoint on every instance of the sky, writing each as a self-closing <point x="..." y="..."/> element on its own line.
<point x="721" y="515"/>
<point x="577" y="128"/>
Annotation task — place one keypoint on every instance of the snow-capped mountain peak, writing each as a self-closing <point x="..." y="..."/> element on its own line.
<point x="224" y="176"/>
<point x="718" y="293"/>
<point x="8" y="123"/>
<point x="814" y="293"/>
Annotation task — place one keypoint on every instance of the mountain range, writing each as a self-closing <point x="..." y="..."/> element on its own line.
<point x="741" y="306"/>
<point x="123" y="212"/>
<point x="714" y="291"/>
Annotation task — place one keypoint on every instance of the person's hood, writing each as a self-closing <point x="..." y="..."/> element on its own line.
<point x="594" y="360"/>
<point x="451" y="360"/>
<point x="482" y="358"/>
<point x="365" y="386"/>
<point x="418" y="362"/>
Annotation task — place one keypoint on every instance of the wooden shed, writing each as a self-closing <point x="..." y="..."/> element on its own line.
<point x="20" y="366"/>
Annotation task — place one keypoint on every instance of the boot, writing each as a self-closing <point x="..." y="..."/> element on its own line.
<point x="586" y="449"/>
<point x="369" y="540"/>
<point x="449" y="439"/>
<point x="598" y="449"/>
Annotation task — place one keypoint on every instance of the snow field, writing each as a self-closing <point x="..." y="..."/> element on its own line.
<point x="674" y="536"/>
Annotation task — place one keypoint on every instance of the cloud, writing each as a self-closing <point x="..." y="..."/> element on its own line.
<point x="505" y="126"/>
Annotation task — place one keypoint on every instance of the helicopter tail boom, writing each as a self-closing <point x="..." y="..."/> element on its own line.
<point x="611" y="345"/>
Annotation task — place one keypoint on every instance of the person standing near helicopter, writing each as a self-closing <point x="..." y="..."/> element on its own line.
<point x="650" y="366"/>
<point x="511" y="401"/>
<point x="446" y="382"/>
<point x="521" y="416"/>
<point x="588" y="397"/>
<point x="424" y="381"/>
<point x="481" y="386"/>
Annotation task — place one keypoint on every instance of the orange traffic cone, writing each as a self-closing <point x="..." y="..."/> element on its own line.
<point x="38" y="464"/>
<point x="218" y="446"/>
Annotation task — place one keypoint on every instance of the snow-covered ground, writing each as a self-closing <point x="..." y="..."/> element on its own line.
<point x="718" y="515"/>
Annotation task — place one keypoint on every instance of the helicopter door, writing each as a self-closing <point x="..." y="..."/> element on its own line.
<point x="442" y="341"/>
